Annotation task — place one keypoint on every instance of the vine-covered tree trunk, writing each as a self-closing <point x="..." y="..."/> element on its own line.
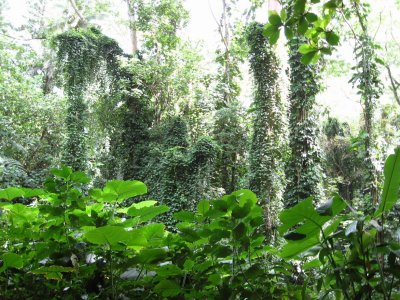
<point x="266" y="177"/>
<point x="370" y="89"/>
<point x="303" y="171"/>
<point x="75" y="152"/>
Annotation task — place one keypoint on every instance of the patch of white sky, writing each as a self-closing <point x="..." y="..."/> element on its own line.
<point x="339" y="97"/>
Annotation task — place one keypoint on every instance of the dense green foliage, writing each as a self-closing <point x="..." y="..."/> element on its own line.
<point x="68" y="243"/>
<point x="230" y="171"/>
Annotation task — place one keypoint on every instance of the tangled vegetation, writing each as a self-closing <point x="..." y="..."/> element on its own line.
<point x="156" y="168"/>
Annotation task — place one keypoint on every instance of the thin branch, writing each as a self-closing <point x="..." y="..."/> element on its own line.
<point x="394" y="85"/>
<point x="79" y="14"/>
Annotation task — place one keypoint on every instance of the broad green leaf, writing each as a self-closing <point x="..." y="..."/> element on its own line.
<point x="29" y="193"/>
<point x="309" y="57"/>
<point x="203" y="207"/>
<point x="311" y="17"/>
<point x="305" y="48"/>
<point x="332" y="38"/>
<point x="245" y="196"/>
<point x="80" y="177"/>
<point x="136" y="238"/>
<point x="188" y="265"/>
<point x="239" y="231"/>
<point x="184" y="216"/>
<point x="272" y="33"/>
<point x="147" y="213"/>
<point x="312" y="264"/>
<point x="153" y="231"/>
<point x="274" y="18"/>
<point x="288" y="33"/>
<point x="168" y="288"/>
<point x="11" y="193"/>
<point x="125" y="189"/>
<point x="299" y="6"/>
<point x="11" y="260"/>
<point x="302" y="26"/>
<point x="101" y="196"/>
<point x="53" y="272"/>
<point x="65" y="172"/>
<point x="169" y="270"/>
<point x="23" y="214"/>
<point x="107" y="235"/>
<point x="142" y="204"/>
<point x="390" y="193"/>
<point x="239" y="212"/>
<point x="283" y="15"/>
<point x="307" y="224"/>
<point x="149" y="256"/>
<point x="294" y="248"/>
<point x="273" y="38"/>
<point x="189" y="234"/>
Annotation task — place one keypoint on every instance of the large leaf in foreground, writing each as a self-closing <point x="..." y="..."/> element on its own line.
<point x="390" y="193"/>
<point x="123" y="190"/>
<point x="305" y="224"/>
<point x="110" y="235"/>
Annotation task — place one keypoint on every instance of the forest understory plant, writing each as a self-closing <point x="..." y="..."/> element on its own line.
<point x="72" y="242"/>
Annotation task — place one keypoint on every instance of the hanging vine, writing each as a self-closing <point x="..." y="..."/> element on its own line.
<point x="266" y="176"/>
<point x="303" y="171"/>
<point x="84" y="56"/>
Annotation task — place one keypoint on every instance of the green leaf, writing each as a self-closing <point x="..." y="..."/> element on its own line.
<point x="107" y="235"/>
<point x="311" y="17"/>
<point x="29" y="193"/>
<point x="302" y="26"/>
<point x="274" y="18"/>
<point x="294" y="248"/>
<point x="305" y="48"/>
<point x="332" y="4"/>
<point x="272" y="33"/>
<point x="274" y="37"/>
<point x="188" y="265"/>
<point x="240" y="212"/>
<point x="150" y="256"/>
<point x="147" y="203"/>
<point x="147" y="213"/>
<point x="53" y="272"/>
<point x="125" y="189"/>
<point x="203" y="207"/>
<point x="390" y="192"/>
<point x="299" y="7"/>
<point x="23" y="214"/>
<point x="332" y="38"/>
<point x="11" y="193"/>
<point x="288" y="33"/>
<point x="245" y="196"/>
<point x="189" y="234"/>
<point x="11" y="260"/>
<point x="306" y="223"/>
<point x="239" y="231"/>
<point x="80" y="177"/>
<point x="63" y="173"/>
<point x="331" y="207"/>
<point x="308" y="58"/>
<point x="155" y="231"/>
<point x="283" y="15"/>
<point x="184" y="216"/>
<point x="169" y="270"/>
<point x="168" y="288"/>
